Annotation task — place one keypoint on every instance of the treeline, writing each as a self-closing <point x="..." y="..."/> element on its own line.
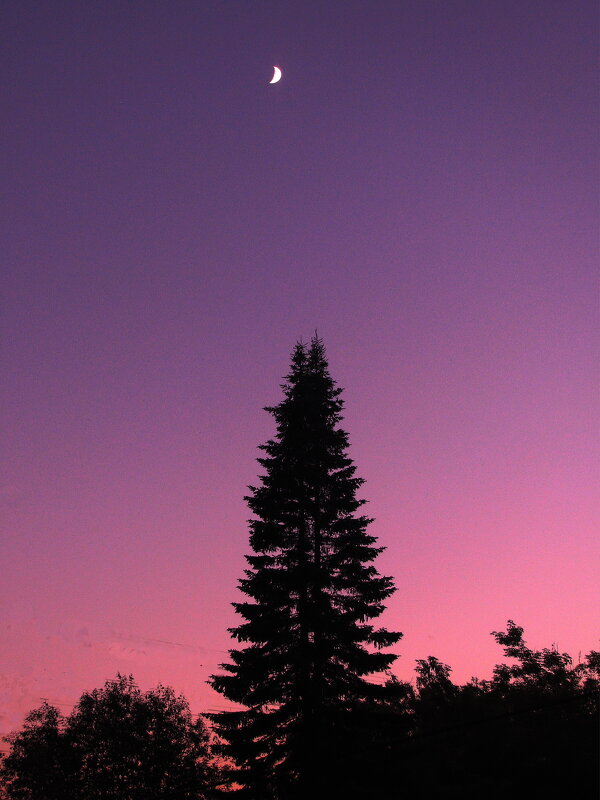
<point x="531" y="731"/>
<point x="310" y="721"/>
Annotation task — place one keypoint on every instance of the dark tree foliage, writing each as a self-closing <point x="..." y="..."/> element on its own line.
<point x="313" y="593"/>
<point x="530" y="731"/>
<point x="37" y="766"/>
<point x="118" y="744"/>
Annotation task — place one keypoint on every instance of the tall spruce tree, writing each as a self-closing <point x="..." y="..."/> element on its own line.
<point x="313" y="593"/>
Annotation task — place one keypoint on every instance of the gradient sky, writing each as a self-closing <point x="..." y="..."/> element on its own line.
<point x="422" y="188"/>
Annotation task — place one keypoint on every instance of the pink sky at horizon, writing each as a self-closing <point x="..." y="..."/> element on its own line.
<point x="421" y="187"/>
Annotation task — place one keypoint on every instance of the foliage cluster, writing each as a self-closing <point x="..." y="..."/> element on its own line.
<point x="532" y="730"/>
<point x="119" y="743"/>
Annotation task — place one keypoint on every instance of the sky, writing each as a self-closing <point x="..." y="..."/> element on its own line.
<point x="421" y="187"/>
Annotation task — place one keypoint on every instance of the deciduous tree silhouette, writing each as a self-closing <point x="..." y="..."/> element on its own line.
<point x="530" y="731"/>
<point x="118" y="744"/>
<point x="37" y="766"/>
<point x="313" y="593"/>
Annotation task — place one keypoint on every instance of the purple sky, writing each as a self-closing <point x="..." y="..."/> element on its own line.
<point x="422" y="187"/>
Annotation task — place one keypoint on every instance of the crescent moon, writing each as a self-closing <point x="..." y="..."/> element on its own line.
<point x="276" y="75"/>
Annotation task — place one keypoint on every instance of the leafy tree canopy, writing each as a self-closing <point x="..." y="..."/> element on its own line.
<point x="524" y="733"/>
<point x="119" y="743"/>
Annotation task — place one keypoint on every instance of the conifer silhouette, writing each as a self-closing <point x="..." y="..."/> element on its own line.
<point x="313" y="591"/>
